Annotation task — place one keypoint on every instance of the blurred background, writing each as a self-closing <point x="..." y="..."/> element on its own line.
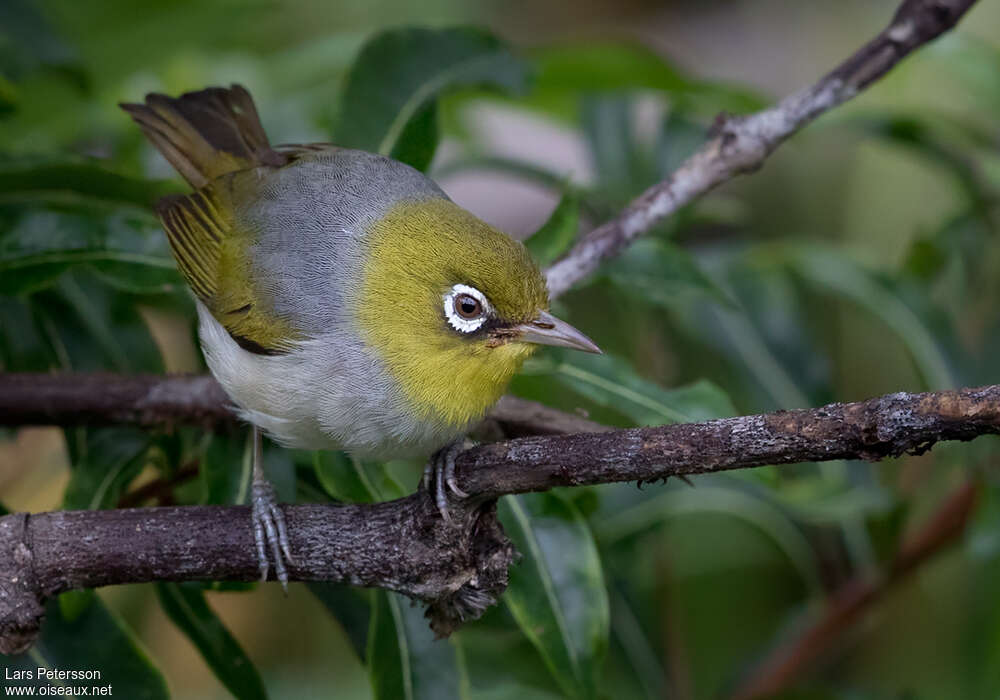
<point x="862" y="259"/>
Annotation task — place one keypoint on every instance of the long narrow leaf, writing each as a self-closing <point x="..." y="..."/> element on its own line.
<point x="72" y="644"/>
<point x="557" y="593"/>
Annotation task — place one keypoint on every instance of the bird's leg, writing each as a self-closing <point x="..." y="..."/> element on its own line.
<point x="439" y="474"/>
<point x="268" y="520"/>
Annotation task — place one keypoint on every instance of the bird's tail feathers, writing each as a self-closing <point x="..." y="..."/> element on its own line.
<point x="206" y="134"/>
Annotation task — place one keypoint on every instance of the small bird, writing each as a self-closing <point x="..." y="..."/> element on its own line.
<point x="344" y="301"/>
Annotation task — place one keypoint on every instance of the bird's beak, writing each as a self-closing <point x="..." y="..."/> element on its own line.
<point x="546" y="329"/>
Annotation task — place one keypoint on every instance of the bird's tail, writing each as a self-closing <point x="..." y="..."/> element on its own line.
<point x="206" y="134"/>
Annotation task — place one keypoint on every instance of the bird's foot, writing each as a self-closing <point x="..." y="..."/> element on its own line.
<point x="439" y="475"/>
<point x="269" y="530"/>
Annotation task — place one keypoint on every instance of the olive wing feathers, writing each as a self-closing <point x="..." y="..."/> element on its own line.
<point x="212" y="253"/>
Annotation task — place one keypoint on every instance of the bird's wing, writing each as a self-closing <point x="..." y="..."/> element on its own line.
<point x="212" y="252"/>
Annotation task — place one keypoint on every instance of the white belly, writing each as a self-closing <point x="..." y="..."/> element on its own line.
<point x="330" y="392"/>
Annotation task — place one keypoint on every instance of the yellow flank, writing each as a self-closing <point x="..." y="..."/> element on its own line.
<point x="213" y="257"/>
<point x="417" y="252"/>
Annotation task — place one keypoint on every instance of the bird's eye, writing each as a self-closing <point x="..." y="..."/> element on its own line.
<point x="466" y="308"/>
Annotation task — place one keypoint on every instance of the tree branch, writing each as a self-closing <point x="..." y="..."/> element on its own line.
<point x="156" y="401"/>
<point x="742" y="144"/>
<point x="146" y="400"/>
<point x="405" y="546"/>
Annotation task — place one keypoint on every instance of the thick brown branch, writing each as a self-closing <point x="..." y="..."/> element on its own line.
<point x="404" y="545"/>
<point x="742" y="144"/>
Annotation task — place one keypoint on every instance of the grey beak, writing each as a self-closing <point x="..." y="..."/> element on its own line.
<point x="546" y="329"/>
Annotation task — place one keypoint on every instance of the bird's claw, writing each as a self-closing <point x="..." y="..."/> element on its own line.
<point x="269" y="529"/>
<point x="439" y="474"/>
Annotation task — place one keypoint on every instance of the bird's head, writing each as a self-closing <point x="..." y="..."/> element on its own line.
<point x="453" y="307"/>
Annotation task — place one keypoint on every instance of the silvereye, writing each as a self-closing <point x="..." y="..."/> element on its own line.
<point x="344" y="301"/>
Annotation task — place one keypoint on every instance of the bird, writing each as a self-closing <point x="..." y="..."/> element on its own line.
<point x="344" y="301"/>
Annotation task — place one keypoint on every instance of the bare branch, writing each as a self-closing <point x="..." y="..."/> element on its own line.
<point x="156" y="401"/>
<point x="404" y="545"/>
<point x="146" y="400"/>
<point x="742" y="144"/>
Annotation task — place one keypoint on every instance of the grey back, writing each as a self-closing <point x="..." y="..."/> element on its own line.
<point x="310" y="222"/>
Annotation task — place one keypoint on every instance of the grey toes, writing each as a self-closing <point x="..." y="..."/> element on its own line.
<point x="270" y="531"/>
<point x="439" y="475"/>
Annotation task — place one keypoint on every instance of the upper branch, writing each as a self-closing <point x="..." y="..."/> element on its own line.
<point x="741" y="144"/>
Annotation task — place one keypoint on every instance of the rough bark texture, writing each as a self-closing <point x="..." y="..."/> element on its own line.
<point x="404" y="545"/>
<point x="886" y="426"/>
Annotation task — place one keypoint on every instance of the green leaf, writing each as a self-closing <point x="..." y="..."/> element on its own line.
<point x="91" y="329"/>
<point x="74" y="181"/>
<point x="226" y="471"/>
<point x="126" y="249"/>
<point x="344" y="477"/>
<point x="74" y="603"/>
<point x="384" y="107"/>
<point x="558" y="232"/>
<point x="185" y="605"/>
<point x="557" y="593"/>
<point x="610" y="381"/>
<point x="352" y="609"/>
<point x="662" y="273"/>
<point x="831" y="270"/>
<point x="104" y="462"/>
<point x="23" y="347"/>
<point x="405" y="662"/>
<point x="567" y="71"/>
<point x="95" y="640"/>
<point x="624" y="161"/>
<point x="279" y="467"/>
<point x="8" y="97"/>
<point x="643" y="659"/>
<point x="752" y="506"/>
<point x="29" y="43"/>
<point x="946" y="141"/>
<point x="604" y="67"/>
<point x="418" y="142"/>
<point x="352" y="480"/>
<point x="523" y="673"/>
<point x="982" y="646"/>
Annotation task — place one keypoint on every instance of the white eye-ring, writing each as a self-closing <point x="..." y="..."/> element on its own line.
<point x="466" y="308"/>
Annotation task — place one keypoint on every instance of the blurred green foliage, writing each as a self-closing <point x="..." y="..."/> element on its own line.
<point x="749" y="300"/>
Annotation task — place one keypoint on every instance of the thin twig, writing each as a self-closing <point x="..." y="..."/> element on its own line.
<point x="742" y="144"/>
